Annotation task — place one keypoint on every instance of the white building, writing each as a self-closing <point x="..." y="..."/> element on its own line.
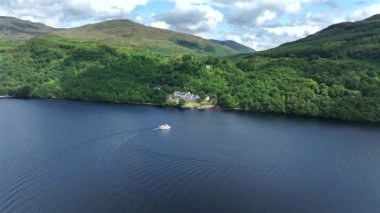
<point x="187" y="96"/>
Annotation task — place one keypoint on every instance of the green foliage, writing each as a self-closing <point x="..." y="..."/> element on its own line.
<point x="228" y="101"/>
<point x="320" y="76"/>
<point x="359" y="40"/>
<point x="22" y="92"/>
<point x="181" y="102"/>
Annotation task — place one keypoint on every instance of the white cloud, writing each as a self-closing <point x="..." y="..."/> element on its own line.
<point x="187" y="17"/>
<point x="251" y="13"/>
<point x="363" y="13"/>
<point x="252" y="40"/>
<point x="103" y="8"/>
<point x="139" y="19"/>
<point x="235" y="38"/>
<point x="269" y="36"/>
<point x="293" y="31"/>
<point x="260" y="24"/>
<point x="67" y="12"/>
<point x="160" y="24"/>
<point x="266" y="16"/>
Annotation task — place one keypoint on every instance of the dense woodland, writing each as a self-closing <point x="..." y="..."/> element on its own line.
<point x="323" y="75"/>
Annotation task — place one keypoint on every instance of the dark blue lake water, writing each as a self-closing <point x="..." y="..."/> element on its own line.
<point x="65" y="156"/>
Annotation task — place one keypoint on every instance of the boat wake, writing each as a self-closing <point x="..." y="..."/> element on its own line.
<point x="10" y="189"/>
<point x="123" y="165"/>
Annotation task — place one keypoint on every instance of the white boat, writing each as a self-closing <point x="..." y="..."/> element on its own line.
<point x="164" y="127"/>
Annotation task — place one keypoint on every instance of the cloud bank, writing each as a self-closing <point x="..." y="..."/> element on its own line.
<point x="67" y="13"/>
<point x="260" y="24"/>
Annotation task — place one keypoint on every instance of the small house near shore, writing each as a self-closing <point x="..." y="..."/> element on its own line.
<point x="186" y="96"/>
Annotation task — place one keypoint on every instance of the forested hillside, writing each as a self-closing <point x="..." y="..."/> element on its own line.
<point x="308" y="77"/>
<point x="355" y="40"/>
<point x="340" y="66"/>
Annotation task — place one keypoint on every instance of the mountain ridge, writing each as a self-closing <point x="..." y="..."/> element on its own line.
<point x="358" y="39"/>
<point x="121" y="32"/>
<point x="234" y="45"/>
<point x="16" y="29"/>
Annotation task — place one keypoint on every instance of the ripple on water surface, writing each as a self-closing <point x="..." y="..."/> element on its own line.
<point x="260" y="166"/>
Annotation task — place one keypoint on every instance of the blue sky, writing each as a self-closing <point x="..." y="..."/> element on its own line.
<point x="260" y="24"/>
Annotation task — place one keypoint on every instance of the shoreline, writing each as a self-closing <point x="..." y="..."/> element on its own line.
<point x="217" y="108"/>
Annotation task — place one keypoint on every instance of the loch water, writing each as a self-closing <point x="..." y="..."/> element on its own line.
<point x="67" y="156"/>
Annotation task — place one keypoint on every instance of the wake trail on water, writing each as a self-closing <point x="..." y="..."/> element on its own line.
<point x="228" y="165"/>
<point x="266" y="166"/>
<point x="12" y="186"/>
<point x="147" y="150"/>
<point x="10" y="190"/>
<point x="132" y="166"/>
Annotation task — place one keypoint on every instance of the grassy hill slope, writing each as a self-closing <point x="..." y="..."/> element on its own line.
<point x="125" y="32"/>
<point x="119" y="33"/>
<point x="16" y="29"/>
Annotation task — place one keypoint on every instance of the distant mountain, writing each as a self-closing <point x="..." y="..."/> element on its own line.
<point x="359" y="39"/>
<point x="123" y="33"/>
<point x="373" y="18"/>
<point x="234" y="45"/>
<point x="16" y="29"/>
